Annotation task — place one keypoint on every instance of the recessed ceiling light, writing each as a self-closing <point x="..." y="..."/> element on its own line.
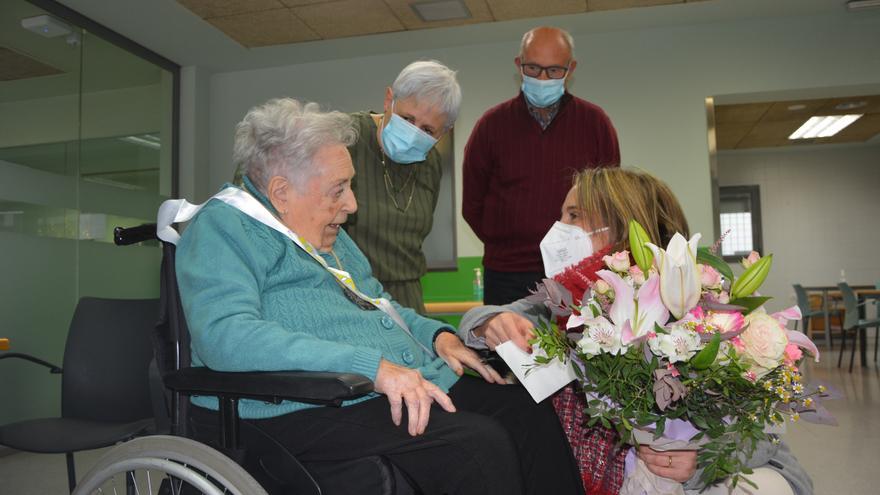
<point x="441" y="10"/>
<point x="46" y="25"/>
<point x="823" y="126"/>
<point x="796" y="107"/>
<point x="849" y="105"/>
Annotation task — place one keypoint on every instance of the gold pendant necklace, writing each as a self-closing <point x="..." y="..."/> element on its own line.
<point x="392" y="191"/>
<point x="336" y="258"/>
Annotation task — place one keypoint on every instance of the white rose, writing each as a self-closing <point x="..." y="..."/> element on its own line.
<point x="764" y="342"/>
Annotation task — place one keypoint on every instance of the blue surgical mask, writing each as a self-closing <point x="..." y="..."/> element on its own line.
<point x="405" y="143"/>
<point x="542" y="92"/>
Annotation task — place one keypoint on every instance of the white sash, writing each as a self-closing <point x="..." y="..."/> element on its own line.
<point x="180" y="210"/>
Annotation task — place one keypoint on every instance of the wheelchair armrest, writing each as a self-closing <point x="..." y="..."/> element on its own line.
<point x="27" y="357"/>
<point x="132" y="235"/>
<point x="271" y="386"/>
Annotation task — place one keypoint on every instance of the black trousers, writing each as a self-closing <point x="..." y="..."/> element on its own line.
<point x="498" y="442"/>
<point x="505" y="287"/>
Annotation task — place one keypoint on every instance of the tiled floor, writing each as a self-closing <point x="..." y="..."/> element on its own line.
<point x="841" y="460"/>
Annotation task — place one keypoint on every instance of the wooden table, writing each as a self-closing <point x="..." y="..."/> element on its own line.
<point x="863" y="292"/>
<point x="828" y="290"/>
<point x="451" y="307"/>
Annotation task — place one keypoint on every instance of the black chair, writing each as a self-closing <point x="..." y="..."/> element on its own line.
<point x="264" y="458"/>
<point x="105" y="393"/>
<point x="852" y="322"/>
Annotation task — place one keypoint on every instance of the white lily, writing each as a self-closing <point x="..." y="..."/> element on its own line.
<point x="679" y="277"/>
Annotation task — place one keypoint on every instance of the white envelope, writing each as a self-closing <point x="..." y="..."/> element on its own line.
<point x="542" y="380"/>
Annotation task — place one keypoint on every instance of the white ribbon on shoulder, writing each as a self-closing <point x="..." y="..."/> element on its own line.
<point x="180" y="210"/>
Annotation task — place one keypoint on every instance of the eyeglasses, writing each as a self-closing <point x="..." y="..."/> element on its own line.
<point x="553" y="72"/>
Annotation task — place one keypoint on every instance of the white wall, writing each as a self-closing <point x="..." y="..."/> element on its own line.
<point x="819" y="210"/>
<point x="651" y="81"/>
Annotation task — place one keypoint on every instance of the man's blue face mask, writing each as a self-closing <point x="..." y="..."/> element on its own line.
<point x="542" y="93"/>
<point x="405" y="143"/>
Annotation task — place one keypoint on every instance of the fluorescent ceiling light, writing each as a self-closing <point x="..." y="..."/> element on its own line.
<point x="441" y="10"/>
<point x="823" y="126"/>
<point x="850" y="105"/>
<point x="862" y="4"/>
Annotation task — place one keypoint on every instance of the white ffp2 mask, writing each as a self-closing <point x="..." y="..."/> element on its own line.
<point x="564" y="245"/>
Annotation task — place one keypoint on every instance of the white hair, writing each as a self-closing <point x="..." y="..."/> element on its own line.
<point x="432" y="81"/>
<point x="531" y="32"/>
<point x="281" y="137"/>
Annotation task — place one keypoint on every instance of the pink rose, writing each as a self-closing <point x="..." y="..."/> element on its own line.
<point x="619" y="261"/>
<point x="793" y="353"/>
<point x="764" y="342"/>
<point x="709" y="277"/>
<point x="637" y="275"/>
<point x="751" y="259"/>
<point x="721" y="297"/>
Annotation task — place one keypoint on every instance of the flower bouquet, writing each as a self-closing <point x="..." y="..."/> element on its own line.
<point x="677" y="340"/>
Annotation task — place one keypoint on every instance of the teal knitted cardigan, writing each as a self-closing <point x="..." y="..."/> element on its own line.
<point x="255" y="301"/>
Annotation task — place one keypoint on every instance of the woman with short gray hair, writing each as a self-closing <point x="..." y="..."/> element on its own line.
<point x="398" y="174"/>
<point x="281" y="137"/>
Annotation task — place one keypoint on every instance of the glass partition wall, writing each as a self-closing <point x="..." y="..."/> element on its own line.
<point x="86" y="144"/>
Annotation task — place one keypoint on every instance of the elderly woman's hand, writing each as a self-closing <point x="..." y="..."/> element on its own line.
<point x="507" y="326"/>
<point x="678" y="465"/>
<point x="404" y="385"/>
<point x="457" y="355"/>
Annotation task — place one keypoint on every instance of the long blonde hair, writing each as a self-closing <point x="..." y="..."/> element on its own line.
<point x="615" y="196"/>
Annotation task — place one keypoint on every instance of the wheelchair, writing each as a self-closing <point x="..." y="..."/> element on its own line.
<point x="240" y="459"/>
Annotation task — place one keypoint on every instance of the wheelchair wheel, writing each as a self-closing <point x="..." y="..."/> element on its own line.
<point x="160" y="464"/>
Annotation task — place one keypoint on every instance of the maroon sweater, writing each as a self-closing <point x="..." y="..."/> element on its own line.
<point x="516" y="175"/>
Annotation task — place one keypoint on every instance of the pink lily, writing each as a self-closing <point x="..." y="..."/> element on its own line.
<point x="634" y="315"/>
<point x="795" y="337"/>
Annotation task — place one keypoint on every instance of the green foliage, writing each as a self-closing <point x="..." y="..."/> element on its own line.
<point x="706" y="257"/>
<point x="751" y="303"/>
<point x="707" y="355"/>
<point x="552" y="341"/>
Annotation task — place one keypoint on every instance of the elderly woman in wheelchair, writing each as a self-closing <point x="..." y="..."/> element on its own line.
<point x="269" y="282"/>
